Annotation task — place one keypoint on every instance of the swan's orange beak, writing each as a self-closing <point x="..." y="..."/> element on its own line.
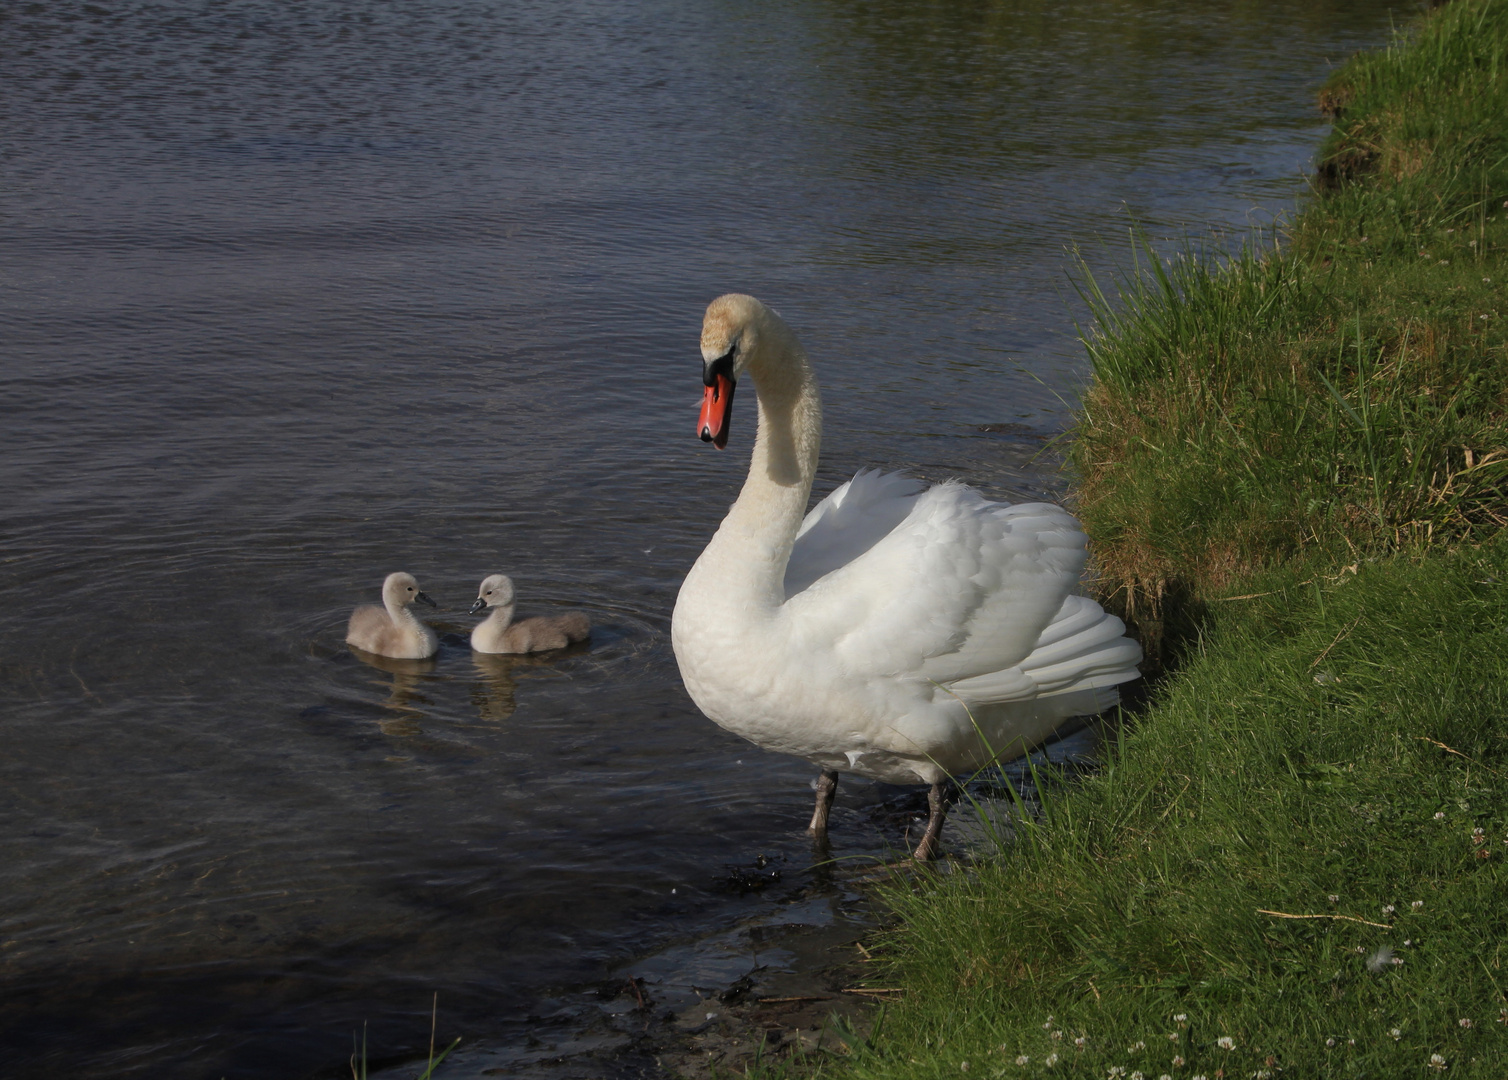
<point x="717" y="411"/>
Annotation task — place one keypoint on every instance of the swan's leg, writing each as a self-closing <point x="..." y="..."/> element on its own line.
<point x="937" y="806"/>
<point x="827" y="788"/>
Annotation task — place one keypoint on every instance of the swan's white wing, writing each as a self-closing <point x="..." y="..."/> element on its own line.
<point x="850" y="521"/>
<point x="1083" y="648"/>
<point x="959" y="588"/>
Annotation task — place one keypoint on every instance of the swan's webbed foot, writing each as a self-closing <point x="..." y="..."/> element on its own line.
<point x="937" y="807"/>
<point x="827" y="789"/>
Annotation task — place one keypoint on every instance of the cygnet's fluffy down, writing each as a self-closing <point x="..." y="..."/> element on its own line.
<point x="498" y="633"/>
<point x="393" y="630"/>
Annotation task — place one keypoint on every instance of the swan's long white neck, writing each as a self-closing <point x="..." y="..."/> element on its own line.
<point x="498" y="618"/>
<point x="748" y="555"/>
<point x="403" y="617"/>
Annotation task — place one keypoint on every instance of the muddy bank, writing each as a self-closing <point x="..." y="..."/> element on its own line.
<point x="791" y="977"/>
<point x="795" y="977"/>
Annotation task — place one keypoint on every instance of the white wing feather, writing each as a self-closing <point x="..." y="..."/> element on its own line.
<point x="957" y="588"/>
<point x="851" y="520"/>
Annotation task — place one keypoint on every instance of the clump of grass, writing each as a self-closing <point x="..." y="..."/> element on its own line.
<point x="359" y="1063"/>
<point x="1300" y="849"/>
<point x="1342" y="396"/>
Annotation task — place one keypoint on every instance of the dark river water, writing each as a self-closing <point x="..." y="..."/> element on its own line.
<point x="295" y="295"/>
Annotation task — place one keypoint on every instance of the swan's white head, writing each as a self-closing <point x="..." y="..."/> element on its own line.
<point x="730" y="334"/>
<point x="495" y="591"/>
<point x="401" y="590"/>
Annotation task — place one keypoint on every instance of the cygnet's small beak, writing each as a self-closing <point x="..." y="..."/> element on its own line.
<point x="423" y="598"/>
<point x="478" y="606"/>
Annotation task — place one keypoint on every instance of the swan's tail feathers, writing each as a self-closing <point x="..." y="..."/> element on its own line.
<point x="1088" y="701"/>
<point x="1084" y="651"/>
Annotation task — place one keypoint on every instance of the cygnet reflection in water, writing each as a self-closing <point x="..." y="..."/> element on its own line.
<point x="393" y="630"/>
<point x="405" y="695"/>
<point x="494" y="691"/>
<point x="498" y="633"/>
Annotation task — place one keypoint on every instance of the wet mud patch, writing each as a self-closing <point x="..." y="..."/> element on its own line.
<point x="787" y="980"/>
<point x="791" y="976"/>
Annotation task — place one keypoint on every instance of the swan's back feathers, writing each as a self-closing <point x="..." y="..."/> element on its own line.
<point x="852" y="519"/>
<point x="545" y="632"/>
<point x="959" y="587"/>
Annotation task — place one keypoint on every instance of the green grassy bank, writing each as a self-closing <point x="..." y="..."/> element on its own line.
<point x="1294" y="467"/>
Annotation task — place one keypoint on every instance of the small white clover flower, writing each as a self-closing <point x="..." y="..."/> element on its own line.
<point x="1047" y="1026"/>
<point x="1388" y="909"/>
<point x="1329" y="1042"/>
<point x="1117" y="1070"/>
<point x="1057" y="1034"/>
<point x="1334" y="899"/>
<point x="1397" y="961"/>
<point x="1180" y="1018"/>
<point x="1080" y="1042"/>
<point x="1136" y="1076"/>
<point x="1177" y="1060"/>
<point x="1395" y="1032"/>
<point x="1436" y="1061"/>
<point x="1134" y="1047"/>
<point x="1022" y="1059"/>
<point x="1050" y="1060"/>
<point x="1225" y="1042"/>
<point x="963" y="1066"/>
<point x="1417" y="904"/>
<point x="1439" y="814"/>
<point x="1172" y="1036"/>
<point x="1464" y="1022"/>
<point x="1164" y="1076"/>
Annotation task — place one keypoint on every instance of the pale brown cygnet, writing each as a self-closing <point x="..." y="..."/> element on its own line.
<point x="393" y="630"/>
<point x="498" y="633"/>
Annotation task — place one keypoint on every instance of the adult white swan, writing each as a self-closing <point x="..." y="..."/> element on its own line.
<point x="901" y="632"/>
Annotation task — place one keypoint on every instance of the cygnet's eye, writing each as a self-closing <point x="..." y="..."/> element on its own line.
<point x="410" y="588"/>
<point x="489" y="592"/>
